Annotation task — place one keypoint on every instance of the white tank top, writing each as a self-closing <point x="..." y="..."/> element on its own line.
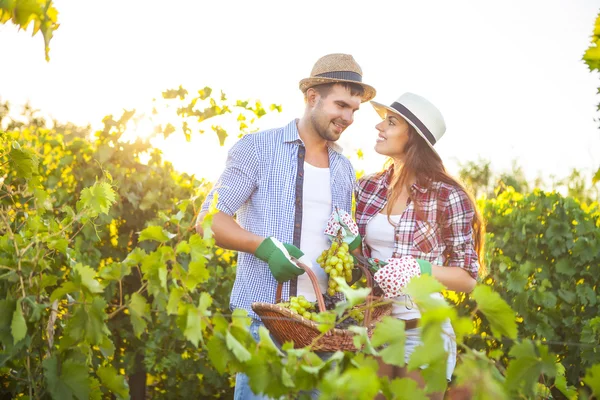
<point x="316" y="209"/>
<point x="379" y="236"/>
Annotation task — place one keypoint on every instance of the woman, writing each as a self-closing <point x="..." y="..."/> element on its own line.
<point x="417" y="217"/>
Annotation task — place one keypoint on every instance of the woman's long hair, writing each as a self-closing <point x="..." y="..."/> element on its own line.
<point x="427" y="167"/>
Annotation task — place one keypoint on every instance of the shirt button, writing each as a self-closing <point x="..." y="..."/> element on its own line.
<point x="301" y="173"/>
<point x="297" y="225"/>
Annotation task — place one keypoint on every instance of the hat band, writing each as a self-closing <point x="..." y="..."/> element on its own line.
<point x="345" y="75"/>
<point x="416" y="121"/>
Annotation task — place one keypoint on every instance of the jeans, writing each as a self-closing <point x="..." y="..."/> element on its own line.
<point x="242" y="386"/>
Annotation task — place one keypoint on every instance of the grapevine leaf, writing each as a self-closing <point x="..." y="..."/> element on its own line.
<point x="499" y="314"/>
<point x="18" y="327"/>
<point x="113" y="381"/>
<point x="138" y="311"/>
<point x="240" y="352"/>
<point x="85" y="277"/>
<point x="406" y="389"/>
<point x="156" y="233"/>
<point x="592" y="379"/>
<point x="97" y="199"/>
<point x="390" y="331"/>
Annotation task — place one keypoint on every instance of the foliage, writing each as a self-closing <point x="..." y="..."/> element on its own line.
<point x="78" y="210"/>
<point x="592" y="58"/>
<point x="544" y="260"/>
<point x="41" y="13"/>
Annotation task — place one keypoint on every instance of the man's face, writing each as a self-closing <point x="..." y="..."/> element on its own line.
<point x="332" y="114"/>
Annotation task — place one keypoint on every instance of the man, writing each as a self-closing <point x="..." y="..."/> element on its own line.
<point x="283" y="184"/>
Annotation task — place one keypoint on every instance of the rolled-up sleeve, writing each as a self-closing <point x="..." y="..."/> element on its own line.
<point x="239" y="179"/>
<point x="458" y="233"/>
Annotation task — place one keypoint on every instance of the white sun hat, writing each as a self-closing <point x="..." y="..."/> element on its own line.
<point x="418" y="112"/>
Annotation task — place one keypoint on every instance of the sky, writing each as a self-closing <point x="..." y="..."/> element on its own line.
<point x="507" y="76"/>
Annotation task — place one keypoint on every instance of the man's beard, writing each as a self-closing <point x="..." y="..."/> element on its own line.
<point x="322" y="125"/>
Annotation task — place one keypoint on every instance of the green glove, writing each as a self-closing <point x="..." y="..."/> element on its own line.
<point x="281" y="266"/>
<point x="425" y="266"/>
<point x="354" y="244"/>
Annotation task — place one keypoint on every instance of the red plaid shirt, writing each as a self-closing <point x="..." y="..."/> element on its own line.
<point x="442" y="234"/>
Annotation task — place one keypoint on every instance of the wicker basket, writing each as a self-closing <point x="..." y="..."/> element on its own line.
<point x="287" y="326"/>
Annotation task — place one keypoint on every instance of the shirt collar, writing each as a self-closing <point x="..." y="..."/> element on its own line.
<point x="291" y="135"/>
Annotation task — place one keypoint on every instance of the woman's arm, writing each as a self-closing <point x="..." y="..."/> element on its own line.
<point x="454" y="278"/>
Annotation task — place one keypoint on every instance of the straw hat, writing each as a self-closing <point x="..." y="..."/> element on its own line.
<point x="420" y="113"/>
<point x="337" y="68"/>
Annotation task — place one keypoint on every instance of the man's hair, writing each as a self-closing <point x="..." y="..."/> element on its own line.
<point x="324" y="89"/>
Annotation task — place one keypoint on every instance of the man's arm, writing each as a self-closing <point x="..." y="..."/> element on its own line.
<point x="229" y="234"/>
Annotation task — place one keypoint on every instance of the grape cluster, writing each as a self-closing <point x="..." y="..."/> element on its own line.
<point x="354" y="316"/>
<point x="299" y="305"/>
<point x="347" y="322"/>
<point x="337" y="263"/>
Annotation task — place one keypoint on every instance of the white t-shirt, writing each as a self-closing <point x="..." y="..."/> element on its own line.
<point x="379" y="236"/>
<point x="316" y="209"/>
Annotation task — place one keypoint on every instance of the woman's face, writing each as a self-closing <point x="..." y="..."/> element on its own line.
<point x="393" y="135"/>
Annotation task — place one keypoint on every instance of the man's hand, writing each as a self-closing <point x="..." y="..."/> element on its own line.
<point x="273" y="252"/>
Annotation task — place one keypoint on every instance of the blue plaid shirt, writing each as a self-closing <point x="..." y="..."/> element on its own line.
<point x="262" y="185"/>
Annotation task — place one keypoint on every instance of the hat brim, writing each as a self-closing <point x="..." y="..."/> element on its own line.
<point x="307" y="83"/>
<point x="383" y="110"/>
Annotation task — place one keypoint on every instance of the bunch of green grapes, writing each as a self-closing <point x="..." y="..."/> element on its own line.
<point x="299" y="305"/>
<point x="358" y="315"/>
<point x="337" y="263"/>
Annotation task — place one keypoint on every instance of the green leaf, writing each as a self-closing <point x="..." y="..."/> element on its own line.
<point x="406" y="389"/>
<point x="561" y="383"/>
<point x="193" y="327"/>
<point x="73" y="381"/>
<point x="113" y="381"/>
<point x="85" y="277"/>
<point x="218" y="353"/>
<point x="174" y="299"/>
<point x="240" y="318"/>
<point x="89" y="322"/>
<point x="266" y="342"/>
<point x="59" y="244"/>
<point x="66" y="287"/>
<point x="23" y="162"/>
<point x="420" y="290"/>
<point x="198" y="247"/>
<point x="97" y="199"/>
<point x="499" y="314"/>
<point x="18" y="327"/>
<point x="138" y="311"/>
<point x="75" y="376"/>
<point x="240" y="352"/>
<point x="592" y="379"/>
<point x="353" y="296"/>
<point x="197" y="273"/>
<point x="56" y="387"/>
<point x="362" y="339"/>
<point x="260" y="375"/>
<point x="390" y="331"/>
<point x="528" y="364"/>
<point x="183" y="247"/>
<point x="156" y="233"/>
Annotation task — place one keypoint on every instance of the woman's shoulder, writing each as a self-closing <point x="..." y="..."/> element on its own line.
<point x="371" y="179"/>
